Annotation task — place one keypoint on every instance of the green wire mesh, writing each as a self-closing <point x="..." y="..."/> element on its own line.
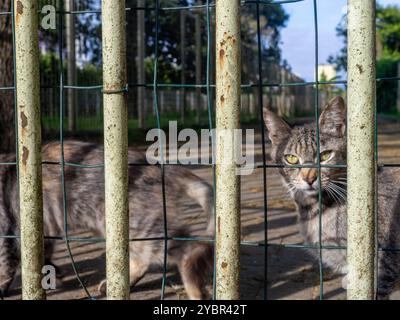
<point x="207" y="6"/>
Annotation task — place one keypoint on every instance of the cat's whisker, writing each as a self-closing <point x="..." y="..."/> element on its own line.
<point x="343" y="190"/>
<point x="338" y="191"/>
<point x="340" y="182"/>
<point x="334" y="182"/>
<point x="331" y="194"/>
<point x="328" y="191"/>
<point x="339" y="194"/>
<point x="335" y="174"/>
<point x="338" y="176"/>
<point x="337" y="187"/>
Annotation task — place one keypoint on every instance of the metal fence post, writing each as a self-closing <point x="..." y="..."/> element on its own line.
<point x="115" y="149"/>
<point x="228" y="71"/>
<point x="360" y="149"/>
<point x="29" y="147"/>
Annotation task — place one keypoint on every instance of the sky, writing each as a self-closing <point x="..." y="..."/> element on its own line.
<point x="298" y="37"/>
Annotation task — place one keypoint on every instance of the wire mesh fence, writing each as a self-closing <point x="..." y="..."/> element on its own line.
<point x="55" y="90"/>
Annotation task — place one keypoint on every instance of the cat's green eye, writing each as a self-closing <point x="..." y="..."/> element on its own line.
<point x="324" y="156"/>
<point x="291" y="159"/>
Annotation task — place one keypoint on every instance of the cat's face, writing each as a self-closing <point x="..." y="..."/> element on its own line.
<point x="298" y="146"/>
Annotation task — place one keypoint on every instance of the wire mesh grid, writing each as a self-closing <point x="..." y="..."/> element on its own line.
<point x="208" y="6"/>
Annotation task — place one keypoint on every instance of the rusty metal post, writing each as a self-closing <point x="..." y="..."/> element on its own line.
<point x="29" y="147"/>
<point x="115" y="149"/>
<point x="228" y="69"/>
<point x="360" y="149"/>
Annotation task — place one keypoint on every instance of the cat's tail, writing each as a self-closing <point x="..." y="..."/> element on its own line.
<point x="201" y="192"/>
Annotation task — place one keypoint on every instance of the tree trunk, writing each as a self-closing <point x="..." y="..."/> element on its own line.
<point x="199" y="105"/>
<point x="7" y="127"/>
<point x="183" y="37"/>
<point x="213" y="57"/>
<point x="140" y="65"/>
<point x="398" y="88"/>
<point x="70" y="39"/>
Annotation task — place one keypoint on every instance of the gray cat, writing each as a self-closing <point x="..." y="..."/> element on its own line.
<point x="85" y="190"/>
<point x="298" y="146"/>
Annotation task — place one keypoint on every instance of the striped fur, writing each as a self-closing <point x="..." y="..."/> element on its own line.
<point x="301" y="142"/>
<point x="85" y="196"/>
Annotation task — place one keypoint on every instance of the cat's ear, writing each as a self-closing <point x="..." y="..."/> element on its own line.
<point x="278" y="129"/>
<point x="332" y="120"/>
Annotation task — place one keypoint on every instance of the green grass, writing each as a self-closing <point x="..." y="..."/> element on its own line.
<point x="92" y="127"/>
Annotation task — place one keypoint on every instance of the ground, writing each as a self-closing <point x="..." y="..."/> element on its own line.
<point x="292" y="273"/>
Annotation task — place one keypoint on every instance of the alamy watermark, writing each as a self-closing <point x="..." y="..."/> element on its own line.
<point x="49" y="19"/>
<point x="237" y="146"/>
<point x="49" y="277"/>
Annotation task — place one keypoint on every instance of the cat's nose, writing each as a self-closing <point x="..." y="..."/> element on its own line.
<point x="309" y="175"/>
<point x="311" y="180"/>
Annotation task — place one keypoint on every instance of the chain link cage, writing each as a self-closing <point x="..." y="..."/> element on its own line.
<point x="154" y="9"/>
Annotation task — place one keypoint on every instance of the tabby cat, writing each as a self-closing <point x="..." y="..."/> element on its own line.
<point x="298" y="146"/>
<point x="85" y="190"/>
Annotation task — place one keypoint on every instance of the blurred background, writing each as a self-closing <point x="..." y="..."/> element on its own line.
<point x="288" y="57"/>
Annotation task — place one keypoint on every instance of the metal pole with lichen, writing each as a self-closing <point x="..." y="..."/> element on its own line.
<point x="115" y="149"/>
<point x="360" y="149"/>
<point x="29" y="147"/>
<point x="228" y="70"/>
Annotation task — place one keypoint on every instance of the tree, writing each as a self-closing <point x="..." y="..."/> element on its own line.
<point x="71" y="71"/>
<point x="388" y="36"/>
<point x="388" y="27"/>
<point x="180" y="56"/>
<point x="272" y="20"/>
<point x="388" y="54"/>
<point x="7" y="129"/>
<point x="198" y="65"/>
<point x="178" y="43"/>
<point x="141" y="76"/>
<point x="182" y="96"/>
<point x="88" y="30"/>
